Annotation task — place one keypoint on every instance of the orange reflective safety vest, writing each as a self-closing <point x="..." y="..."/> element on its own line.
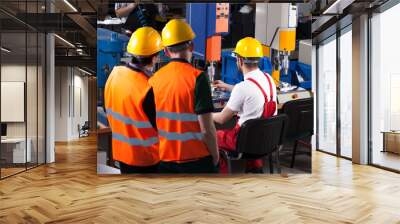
<point x="134" y="140"/>
<point x="177" y="123"/>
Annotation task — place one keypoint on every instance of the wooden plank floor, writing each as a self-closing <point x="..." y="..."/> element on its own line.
<point x="70" y="191"/>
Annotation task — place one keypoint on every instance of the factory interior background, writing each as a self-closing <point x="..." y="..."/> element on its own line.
<point x="241" y="20"/>
<point x="55" y="55"/>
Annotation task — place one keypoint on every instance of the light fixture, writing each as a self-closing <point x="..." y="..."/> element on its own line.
<point x="65" y="41"/>
<point x="337" y="7"/>
<point x="5" y="50"/>
<point x="70" y="5"/>
<point x="84" y="71"/>
<point x="328" y="10"/>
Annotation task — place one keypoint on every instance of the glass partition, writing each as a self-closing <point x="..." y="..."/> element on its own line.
<point x="22" y="77"/>
<point x="15" y="150"/>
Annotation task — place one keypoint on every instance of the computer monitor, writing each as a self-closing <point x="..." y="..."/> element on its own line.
<point x="3" y="129"/>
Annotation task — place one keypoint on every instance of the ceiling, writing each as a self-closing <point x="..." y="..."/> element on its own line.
<point x="72" y="20"/>
<point x="332" y="15"/>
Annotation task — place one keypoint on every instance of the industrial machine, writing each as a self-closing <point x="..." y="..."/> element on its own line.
<point x="276" y="29"/>
<point x="210" y="21"/>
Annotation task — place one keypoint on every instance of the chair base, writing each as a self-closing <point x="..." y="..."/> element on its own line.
<point x="228" y="156"/>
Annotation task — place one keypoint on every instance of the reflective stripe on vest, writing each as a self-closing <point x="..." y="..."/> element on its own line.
<point x="129" y="121"/>
<point x="186" y="136"/>
<point x="177" y="116"/>
<point x="135" y="141"/>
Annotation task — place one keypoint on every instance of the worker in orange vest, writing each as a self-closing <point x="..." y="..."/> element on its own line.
<point x="184" y="107"/>
<point x="130" y="107"/>
<point x="255" y="97"/>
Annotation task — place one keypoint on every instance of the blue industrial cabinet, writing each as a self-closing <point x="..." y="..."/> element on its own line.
<point x="202" y="18"/>
<point x="303" y="70"/>
<point x="110" y="48"/>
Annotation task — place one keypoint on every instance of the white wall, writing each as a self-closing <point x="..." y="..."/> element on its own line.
<point x="71" y="94"/>
<point x="16" y="73"/>
<point x="61" y="103"/>
<point x="12" y="73"/>
<point x="33" y="127"/>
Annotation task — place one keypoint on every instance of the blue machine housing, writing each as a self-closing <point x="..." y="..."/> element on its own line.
<point x="202" y="19"/>
<point x="303" y="70"/>
<point x="306" y="72"/>
<point x="230" y="73"/>
<point x="110" y="48"/>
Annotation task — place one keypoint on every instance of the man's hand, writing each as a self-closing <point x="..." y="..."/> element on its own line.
<point x="222" y="85"/>
<point x="225" y="115"/>
<point x="125" y="11"/>
<point x="131" y="5"/>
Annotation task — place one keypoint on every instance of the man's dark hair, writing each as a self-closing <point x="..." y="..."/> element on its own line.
<point x="143" y="60"/>
<point x="250" y="62"/>
<point x="180" y="47"/>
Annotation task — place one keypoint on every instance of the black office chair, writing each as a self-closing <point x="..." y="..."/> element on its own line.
<point x="301" y="123"/>
<point x="84" y="129"/>
<point x="259" y="138"/>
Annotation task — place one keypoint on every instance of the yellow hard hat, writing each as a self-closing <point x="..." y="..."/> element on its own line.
<point x="249" y="47"/>
<point x="176" y="31"/>
<point x="145" y="41"/>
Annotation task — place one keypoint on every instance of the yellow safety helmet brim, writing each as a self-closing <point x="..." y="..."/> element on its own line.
<point x="145" y="41"/>
<point x="176" y="31"/>
<point x="249" y="47"/>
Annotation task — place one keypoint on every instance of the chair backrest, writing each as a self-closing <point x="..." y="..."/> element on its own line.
<point x="301" y="117"/>
<point x="86" y="125"/>
<point x="261" y="136"/>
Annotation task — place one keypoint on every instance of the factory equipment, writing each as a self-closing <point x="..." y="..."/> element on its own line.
<point x="110" y="48"/>
<point x="209" y="21"/>
<point x="276" y="29"/>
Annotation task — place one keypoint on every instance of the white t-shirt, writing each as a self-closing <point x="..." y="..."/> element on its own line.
<point x="247" y="99"/>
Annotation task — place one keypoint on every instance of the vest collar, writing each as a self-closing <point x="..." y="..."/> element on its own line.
<point x="138" y="68"/>
<point x="179" y="60"/>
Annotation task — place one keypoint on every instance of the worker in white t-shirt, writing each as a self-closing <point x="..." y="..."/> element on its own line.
<point x="249" y="99"/>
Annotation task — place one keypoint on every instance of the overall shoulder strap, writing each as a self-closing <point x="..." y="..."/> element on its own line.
<point x="262" y="90"/>
<point x="270" y="86"/>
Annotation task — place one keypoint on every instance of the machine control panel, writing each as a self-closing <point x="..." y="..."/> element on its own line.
<point x="222" y="17"/>
<point x="284" y="97"/>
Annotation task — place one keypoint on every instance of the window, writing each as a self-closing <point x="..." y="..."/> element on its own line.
<point x="327" y="97"/>
<point x="346" y="93"/>
<point x="385" y="89"/>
